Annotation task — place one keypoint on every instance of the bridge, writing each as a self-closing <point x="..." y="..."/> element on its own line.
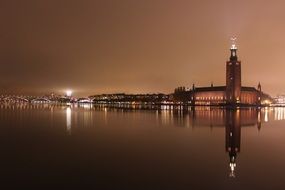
<point x="20" y="99"/>
<point x="14" y="99"/>
<point x="40" y="100"/>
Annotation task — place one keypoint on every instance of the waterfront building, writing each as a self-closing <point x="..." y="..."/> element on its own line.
<point x="233" y="93"/>
<point x="279" y="100"/>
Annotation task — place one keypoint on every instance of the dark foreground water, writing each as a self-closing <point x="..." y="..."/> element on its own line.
<point x="82" y="146"/>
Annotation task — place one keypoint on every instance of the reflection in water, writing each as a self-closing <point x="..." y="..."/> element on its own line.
<point x="105" y="116"/>
<point x="233" y="136"/>
<point x="68" y="119"/>
<point x="266" y="115"/>
<point x="279" y="113"/>
<point x="232" y="120"/>
<point x="82" y="115"/>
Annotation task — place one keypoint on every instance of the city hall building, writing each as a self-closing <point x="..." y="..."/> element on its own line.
<point x="231" y="94"/>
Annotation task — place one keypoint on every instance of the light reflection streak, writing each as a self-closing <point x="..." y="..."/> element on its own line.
<point x="68" y="119"/>
<point x="279" y="113"/>
<point x="266" y="115"/>
<point x="105" y="115"/>
<point x="165" y="117"/>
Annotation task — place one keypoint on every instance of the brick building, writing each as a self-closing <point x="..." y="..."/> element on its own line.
<point x="232" y="94"/>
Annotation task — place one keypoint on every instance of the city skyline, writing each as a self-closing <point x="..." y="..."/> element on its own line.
<point x="95" y="47"/>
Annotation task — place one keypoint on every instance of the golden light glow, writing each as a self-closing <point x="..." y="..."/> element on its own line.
<point x="233" y="40"/>
<point x="68" y="92"/>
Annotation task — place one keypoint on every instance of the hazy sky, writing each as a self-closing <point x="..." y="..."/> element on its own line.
<point x="138" y="46"/>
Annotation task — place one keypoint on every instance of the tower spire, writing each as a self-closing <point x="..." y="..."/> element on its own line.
<point x="259" y="86"/>
<point x="233" y="43"/>
<point x="233" y="49"/>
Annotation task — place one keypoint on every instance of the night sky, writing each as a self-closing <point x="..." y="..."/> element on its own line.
<point x="137" y="46"/>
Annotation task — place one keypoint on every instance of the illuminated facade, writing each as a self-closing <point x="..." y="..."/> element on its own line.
<point x="231" y="94"/>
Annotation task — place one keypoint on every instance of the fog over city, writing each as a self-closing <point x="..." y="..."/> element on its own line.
<point x="131" y="46"/>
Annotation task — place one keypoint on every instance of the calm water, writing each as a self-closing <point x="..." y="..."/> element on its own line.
<point x="82" y="146"/>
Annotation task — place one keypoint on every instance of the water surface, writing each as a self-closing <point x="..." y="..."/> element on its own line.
<point x="80" y="146"/>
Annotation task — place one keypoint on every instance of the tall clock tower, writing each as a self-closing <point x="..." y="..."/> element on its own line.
<point x="233" y="77"/>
